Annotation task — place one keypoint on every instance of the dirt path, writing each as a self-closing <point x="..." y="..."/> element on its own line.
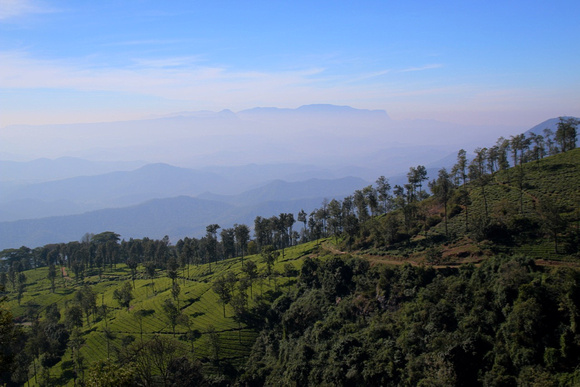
<point x="391" y="260"/>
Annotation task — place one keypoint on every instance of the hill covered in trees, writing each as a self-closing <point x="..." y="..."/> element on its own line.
<point x="470" y="279"/>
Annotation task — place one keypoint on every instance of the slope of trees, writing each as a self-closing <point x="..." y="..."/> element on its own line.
<point x="504" y="323"/>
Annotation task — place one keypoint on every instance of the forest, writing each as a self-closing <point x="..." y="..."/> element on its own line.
<point x="470" y="278"/>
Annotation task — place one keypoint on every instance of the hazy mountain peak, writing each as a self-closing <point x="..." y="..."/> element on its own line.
<point x="337" y="109"/>
<point x="315" y="109"/>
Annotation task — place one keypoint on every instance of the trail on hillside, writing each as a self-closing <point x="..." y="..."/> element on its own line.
<point x="392" y="260"/>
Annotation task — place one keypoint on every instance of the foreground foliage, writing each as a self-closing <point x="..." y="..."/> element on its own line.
<point x="506" y="323"/>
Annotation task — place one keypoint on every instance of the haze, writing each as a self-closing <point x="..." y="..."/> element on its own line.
<point x="241" y="94"/>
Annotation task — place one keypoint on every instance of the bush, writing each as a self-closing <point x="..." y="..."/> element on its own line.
<point x="433" y="221"/>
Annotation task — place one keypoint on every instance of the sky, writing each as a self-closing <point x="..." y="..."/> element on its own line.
<point x="467" y="62"/>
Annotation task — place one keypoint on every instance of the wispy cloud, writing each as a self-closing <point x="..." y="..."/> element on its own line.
<point x="426" y="67"/>
<point x="364" y="77"/>
<point x="183" y="61"/>
<point x="15" y="8"/>
<point x="143" y="42"/>
<point x="172" y="78"/>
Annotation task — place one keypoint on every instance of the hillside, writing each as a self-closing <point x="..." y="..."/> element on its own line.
<point x="109" y="328"/>
<point x="477" y="287"/>
<point x="532" y="211"/>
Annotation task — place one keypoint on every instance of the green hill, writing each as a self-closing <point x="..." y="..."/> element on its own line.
<point x="532" y="210"/>
<point x="108" y="335"/>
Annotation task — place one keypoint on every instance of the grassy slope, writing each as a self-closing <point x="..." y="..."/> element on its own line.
<point x="556" y="178"/>
<point x="197" y="300"/>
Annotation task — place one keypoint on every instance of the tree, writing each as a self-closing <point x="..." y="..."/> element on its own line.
<point x="124" y="295"/>
<point x="503" y="146"/>
<point x="10" y="337"/>
<point x="442" y="189"/>
<point x="161" y="352"/>
<point x="360" y="203"/>
<point x="52" y="276"/>
<point x="566" y="133"/>
<point x="21" y="286"/>
<point x="109" y="373"/>
<point x="175" y="291"/>
<point x="552" y="149"/>
<point x="150" y="270"/>
<point x="73" y="317"/>
<point x="171" y="267"/>
<point x="372" y="199"/>
<point x="212" y="243"/>
<point x="213" y="342"/>
<point x="420" y="177"/>
<point x="251" y="270"/>
<point x="477" y="174"/>
<point x="240" y="300"/>
<point x="87" y="299"/>
<point x="269" y="256"/>
<point x="223" y="287"/>
<point x="75" y="343"/>
<point x="335" y="217"/>
<point x="52" y="314"/>
<point x="303" y="217"/>
<point x="464" y="200"/>
<point x="383" y="191"/>
<point x="228" y="242"/>
<point x="132" y="263"/>
<point x="289" y="223"/>
<point x="172" y="313"/>
<point x="551" y="220"/>
<point x="284" y="226"/>
<point x="242" y="234"/>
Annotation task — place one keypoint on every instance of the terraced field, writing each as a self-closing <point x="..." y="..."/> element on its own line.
<point x="197" y="301"/>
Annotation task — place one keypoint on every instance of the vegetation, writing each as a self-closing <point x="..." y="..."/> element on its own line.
<point x="475" y="284"/>
<point x="507" y="322"/>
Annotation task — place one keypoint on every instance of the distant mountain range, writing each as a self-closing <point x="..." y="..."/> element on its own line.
<point x="58" y="200"/>
<point x="327" y="136"/>
<point x="180" y="216"/>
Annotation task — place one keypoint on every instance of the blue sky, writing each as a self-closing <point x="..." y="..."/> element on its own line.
<point x="477" y="62"/>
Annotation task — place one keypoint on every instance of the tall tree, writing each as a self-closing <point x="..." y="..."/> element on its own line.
<point x="442" y="189"/>
<point x="420" y="177"/>
<point x="477" y="173"/>
<point x="552" y="149"/>
<point x="566" y="133"/>
<point x="372" y="199"/>
<point x="383" y="190"/>
<point x="132" y="264"/>
<point x="335" y="217"/>
<point x="212" y="243"/>
<point x="269" y="256"/>
<point x="251" y="270"/>
<point x="360" y="203"/>
<point x="52" y="276"/>
<point x="223" y="286"/>
<point x="303" y="217"/>
<point x="172" y="313"/>
<point x="242" y="234"/>
<point x="228" y="242"/>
